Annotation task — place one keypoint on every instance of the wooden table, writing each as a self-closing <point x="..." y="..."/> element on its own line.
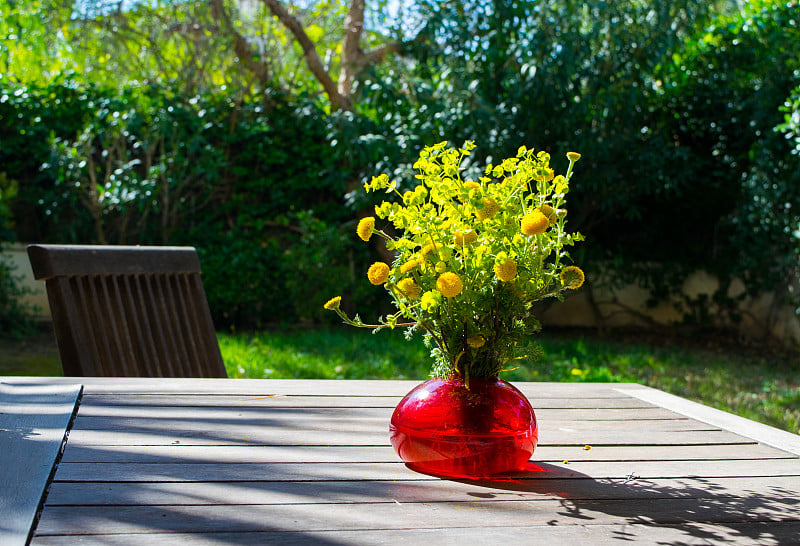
<point x="309" y="462"/>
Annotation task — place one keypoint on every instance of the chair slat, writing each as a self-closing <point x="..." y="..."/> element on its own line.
<point x="122" y="312"/>
<point x="89" y="344"/>
<point x="210" y="346"/>
<point x="111" y="320"/>
<point x="186" y="318"/>
<point x="141" y="336"/>
<point x="178" y="346"/>
<point x="163" y="337"/>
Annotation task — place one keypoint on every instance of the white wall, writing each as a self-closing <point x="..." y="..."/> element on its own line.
<point x="627" y="307"/>
<point x="17" y="256"/>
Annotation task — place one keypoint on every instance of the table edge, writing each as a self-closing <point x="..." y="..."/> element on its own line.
<point x="765" y="434"/>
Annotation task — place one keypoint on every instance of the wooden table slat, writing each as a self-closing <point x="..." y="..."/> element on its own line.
<point x="418" y="490"/>
<point x="368" y="516"/>
<point x="555" y="532"/>
<point x="282" y="436"/>
<point x="302" y="453"/>
<point x="541" y="470"/>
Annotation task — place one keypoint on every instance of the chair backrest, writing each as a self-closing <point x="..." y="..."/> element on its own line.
<point x="128" y="311"/>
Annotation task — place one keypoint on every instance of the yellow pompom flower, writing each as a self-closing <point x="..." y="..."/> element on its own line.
<point x="378" y="273"/>
<point x="365" y="227"/>
<point x="409" y="288"/>
<point x="449" y="284"/>
<point x="476" y="342"/>
<point x="427" y="249"/>
<point x="572" y="277"/>
<point x="534" y="223"/>
<point x="490" y="208"/>
<point x="429" y="301"/>
<point x="550" y="212"/>
<point x="333" y="303"/>
<point x="506" y="271"/>
<point x="462" y="238"/>
<point x="409" y="265"/>
<point x="573" y="156"/>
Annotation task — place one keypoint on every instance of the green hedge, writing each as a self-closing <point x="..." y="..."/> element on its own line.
<point x="259" y="191"/>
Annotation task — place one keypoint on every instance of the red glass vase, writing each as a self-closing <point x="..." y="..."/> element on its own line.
<point x="447" y="428"/>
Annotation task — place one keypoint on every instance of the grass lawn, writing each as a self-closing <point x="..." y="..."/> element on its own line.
<point x="747" y="381"/>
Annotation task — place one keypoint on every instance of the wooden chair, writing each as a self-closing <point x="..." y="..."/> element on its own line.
<point x="128" y="311"/>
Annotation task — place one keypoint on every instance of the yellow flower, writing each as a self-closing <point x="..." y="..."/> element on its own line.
<point x="506" y="271"/>
<point x="534" y="223"/>
<point x="490" y="208"/>
<point x="467" y="237"/>
<point x="449" y="284"/>
<point x="378" y="273"/>
<point x="409" y="288"/>
<point x="409" y="265"/>
<point x="365" y="227"/>
<point x="573" y="156"/>
<point x="333" y="303"/>
<point x="550" y="212"/>
<point x="476" y="342"/>
<point x="472" y="185"/>
<point x="572" y="277"/>
<point x="427" y="249"/>
<point x="429" y="301"/>
<point x="544" y="173"/>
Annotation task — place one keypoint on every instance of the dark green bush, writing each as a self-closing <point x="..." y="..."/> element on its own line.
<point x="722" y="99"/>
<point x="261" y="192"/>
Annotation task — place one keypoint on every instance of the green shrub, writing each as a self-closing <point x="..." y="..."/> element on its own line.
<point x="722" y="102"/>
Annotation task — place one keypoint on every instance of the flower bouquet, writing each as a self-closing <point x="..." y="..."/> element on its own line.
<point x="471" y="259"/>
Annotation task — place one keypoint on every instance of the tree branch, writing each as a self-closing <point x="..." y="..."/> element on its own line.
<point x="338" y="101"/>
<point x="352" y="55"/>
<point x="260" y="70"/>
<point x="379" y="53"/>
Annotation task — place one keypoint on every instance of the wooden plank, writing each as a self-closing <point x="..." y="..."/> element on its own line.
<point x="297" y="454"/>
<point x="317" y="387"/>
<point x="423" y="490"/>
<point x="197" y="434"/>
<point x="729" y="533"/>
<point x="33" y="423"/>
<point x="163" y="472"/>
<point x="772" y="436"/>
<point x="584" y="408"/>
<point x="372" y="419"/>
<point x="397" y="515"/>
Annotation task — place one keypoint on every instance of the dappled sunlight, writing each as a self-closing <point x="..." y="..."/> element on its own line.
<point x="274" y="469"/>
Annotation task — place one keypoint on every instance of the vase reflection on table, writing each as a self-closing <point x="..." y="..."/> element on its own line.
<point x="447" y="428"/>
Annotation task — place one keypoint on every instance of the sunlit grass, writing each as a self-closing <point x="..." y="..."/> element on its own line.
<point x="323" y="354"/>
<point x="759" y="386"/>
<point x="764" y="388"/>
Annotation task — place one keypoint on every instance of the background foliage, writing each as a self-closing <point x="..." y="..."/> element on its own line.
<point x="201" y="123"/>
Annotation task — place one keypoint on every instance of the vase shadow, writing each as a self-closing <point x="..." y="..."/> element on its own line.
<point x="518" y="480"/>
<point x="698" y="508"/>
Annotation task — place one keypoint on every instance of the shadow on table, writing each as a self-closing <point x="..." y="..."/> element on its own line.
<point x="116" y="480"/>
<point x="699" y="507"/>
